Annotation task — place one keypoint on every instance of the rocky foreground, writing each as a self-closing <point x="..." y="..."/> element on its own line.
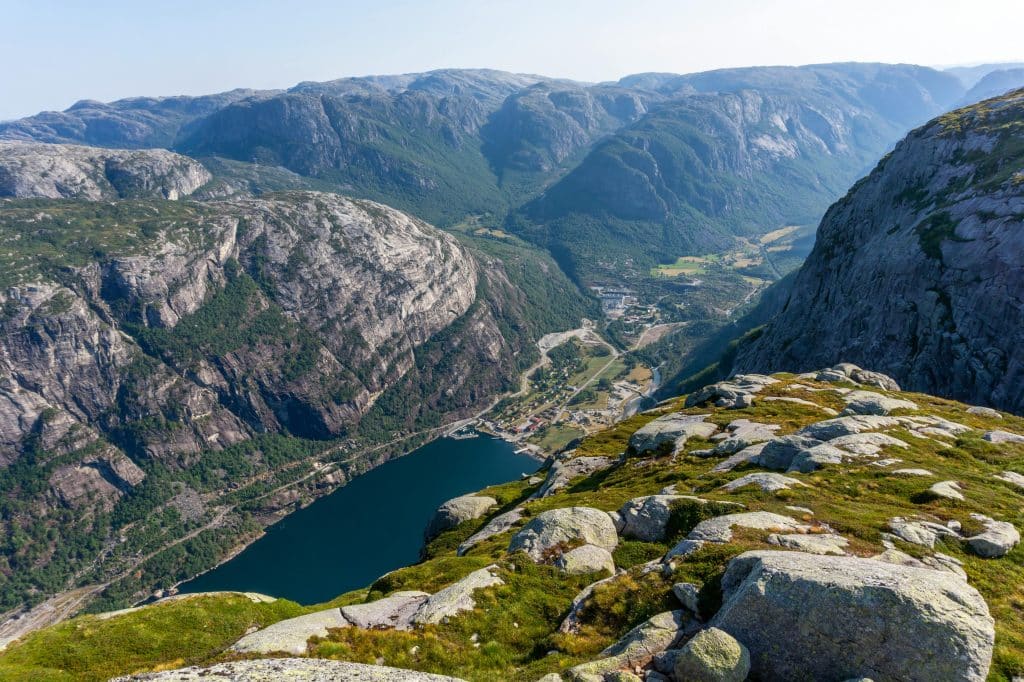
<point x="163" y="364"/>
<point x="824" y="526"/>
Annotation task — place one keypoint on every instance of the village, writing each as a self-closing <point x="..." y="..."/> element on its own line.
<point x="581" y="385"/>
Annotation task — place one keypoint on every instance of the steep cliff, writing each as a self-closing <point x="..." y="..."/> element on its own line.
<point x="161" y="351"/>
<point x="71" y="172"/>
<point x="918" y="270"/>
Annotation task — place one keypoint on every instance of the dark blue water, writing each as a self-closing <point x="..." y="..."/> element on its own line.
<point x="373" y="525"/>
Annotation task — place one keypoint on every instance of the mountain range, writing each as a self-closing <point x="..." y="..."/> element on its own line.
<point x="653" y="166"/>
<point x="215" y="309"/>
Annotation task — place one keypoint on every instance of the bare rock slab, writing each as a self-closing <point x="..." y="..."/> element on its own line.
<point x="998" y="538"/>
<point x="712" y="655"/>
<point x="844" y="617"/>
<point x="564" y="471"/>
<point x="393" y="611"/>
<point x="870" y="402"/>
<point x="496" y="526"/>
<point x="458" y="510"/>
<point x="719" y="529"/>
<point x="637" y="646"/>
<point x="1011" y="477"/>
<point x="917" y="532"/>
<point x="949" y="490"/>
<point x="1003" y="437"/>
<point x="646" y="518"/>
<point x="586" y="559"/>
<point x="767" y="481"/>
<point x="743" y="433"/>
<point x="291" y="669"/>
<point x="671" y="430"/>
<point x="290" y="636"/>
<point x="457" y="597"/>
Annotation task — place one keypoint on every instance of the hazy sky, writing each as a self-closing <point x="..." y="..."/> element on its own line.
<point x="56" y="52"/>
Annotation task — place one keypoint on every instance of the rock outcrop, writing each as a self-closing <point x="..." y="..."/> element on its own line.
<point x="58" y="171"/>
<point x="496" y="526"/>
<point x="712" y="656"/>
<point x="670" y="432"/>
<point x="554" y="531"/>
<point x="843" y="618"/>
<point x="638" y="646"/>
<point x="456" y="511"/>
<point x="278" y="669"/>
<point x="395" y="611"/>
<point x="290" y="635"/>
<point x="586" y="559"/>
<point x="457" y="597"/>
<point x="565" y="469"/>
<point x="646" y="518"/>
<point x="719" y="529"/>
<point x="998" y="538"/>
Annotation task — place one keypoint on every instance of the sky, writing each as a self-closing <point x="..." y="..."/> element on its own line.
<point x="57" y="52"/>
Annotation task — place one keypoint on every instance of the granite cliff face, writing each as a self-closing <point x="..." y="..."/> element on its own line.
<point x="354" y="288"/>
<point x="59" y="171"/>
<point x="156" y="356"/>
<point x="918" y="270"/>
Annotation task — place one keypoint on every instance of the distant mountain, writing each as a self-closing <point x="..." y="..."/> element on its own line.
<point x="540" y="128"/>
<point x="134" y="123"/>
<point x="442" y="145"/>
<point x="487" y="86"/>
<point x="994" y="84"/>
<point x="740" y="152"/>
<point x="451" y="143"/>
<point x="411" y="149"/>
<point x="917" y="272"/>
<point x="971" y="75"/>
